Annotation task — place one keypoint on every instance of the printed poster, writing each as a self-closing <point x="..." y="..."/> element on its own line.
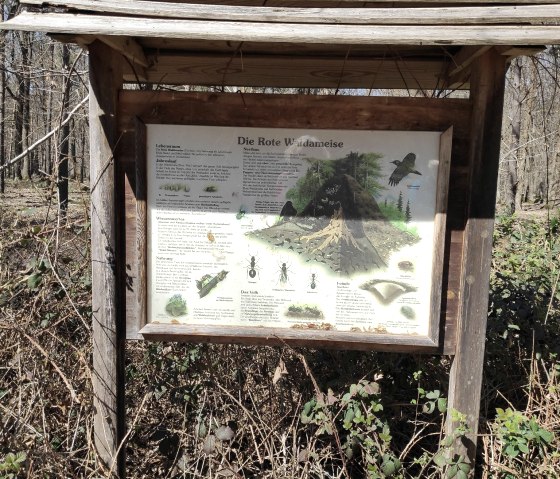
<point x="290" y="228"/>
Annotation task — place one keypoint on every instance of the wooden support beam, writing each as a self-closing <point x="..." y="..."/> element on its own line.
<point x="444" y="15"/>
<point x="127" y="47"/>
<point x="459" y="71"/>
<point x="132" y="51"/>
<point x="464" y="58"/>
<point x="81" y="40"/>
<point x="105" y="78"/>
<point x="312" y="33"/>
<point x="487" y="93"/>
<point x="513" y="52"/>
<point x="291" y="71"/>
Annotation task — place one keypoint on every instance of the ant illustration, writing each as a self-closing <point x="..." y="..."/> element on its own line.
<point x="283" y="273"/>
<point x="252" y="268"/>
<point x="313" y="284"/>
<point x="283" y="279"/>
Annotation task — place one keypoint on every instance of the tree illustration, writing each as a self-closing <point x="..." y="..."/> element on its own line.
<point x="400" y="202"/>
<point x="363" y="167"/>
<point x="407" y="213"/>
<point x="307" y="186"/>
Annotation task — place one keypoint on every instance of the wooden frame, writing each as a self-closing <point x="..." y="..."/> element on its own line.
<point x="218" y="45"/>
<point x="470" y="205"/>
<point x="137" y="326"/>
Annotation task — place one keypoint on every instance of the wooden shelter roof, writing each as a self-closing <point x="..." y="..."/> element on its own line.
<point x="311" y="43"/>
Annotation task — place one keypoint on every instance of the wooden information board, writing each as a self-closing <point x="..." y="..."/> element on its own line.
<point x="257" y="233"/>
<point x="328" y="230"/>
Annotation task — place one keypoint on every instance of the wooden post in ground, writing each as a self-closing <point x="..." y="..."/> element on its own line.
<point x="487" y="93"/>
<point x="105" y="78"/>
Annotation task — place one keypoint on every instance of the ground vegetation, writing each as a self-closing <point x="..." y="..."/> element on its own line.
<point x="239" y="411"/>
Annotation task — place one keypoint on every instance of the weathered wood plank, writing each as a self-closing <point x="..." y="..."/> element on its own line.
<point x="304" y="3"/>
<point x="141" y="286"/>
<point x="292" y="72"/>
<point x="294" y="337"/>
<point x="525" y="14"/>
<point x="133" y="323"/>
<point x="288" y="33"/>
<point x="466" y="372"/>
<point x="389" y="52"/>
<point x="438" y="261"/>
<point x="298" y="111"/>
<point x="105" y="77"/>
<point x="342" y="3"/>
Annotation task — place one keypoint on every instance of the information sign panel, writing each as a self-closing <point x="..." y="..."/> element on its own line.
<point x="288" y="229"/>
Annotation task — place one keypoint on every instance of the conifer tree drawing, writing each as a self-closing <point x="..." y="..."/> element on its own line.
<point x="407" y="213"/>
<point x="400" y="202"/>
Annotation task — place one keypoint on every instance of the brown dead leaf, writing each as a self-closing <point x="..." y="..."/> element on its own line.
<point x="331" y="398"/>
<point x="209" y="445"/>
<point x="224" y="433"/>
<point x="303" y="455"/>
<point x="372" y="388"/>
<point x="280" y="372"/>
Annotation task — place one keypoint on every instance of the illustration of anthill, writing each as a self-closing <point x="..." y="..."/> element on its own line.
<point x="332" y="217"/>
<point x="335" y="232"/>
<point x="340" y="208"/>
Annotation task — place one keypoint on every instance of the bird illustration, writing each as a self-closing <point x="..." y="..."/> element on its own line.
<point x="403" y="168"/>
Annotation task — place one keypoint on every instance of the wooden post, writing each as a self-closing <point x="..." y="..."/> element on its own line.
<point x="487" y="92"/>
<point x="105" y="79"/>
<point x="141" y="221"/>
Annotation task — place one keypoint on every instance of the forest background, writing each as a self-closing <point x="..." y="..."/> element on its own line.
<point x="233" y="411"/>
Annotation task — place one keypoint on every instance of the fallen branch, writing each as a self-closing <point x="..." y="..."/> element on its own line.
<point x="44" y="138"/>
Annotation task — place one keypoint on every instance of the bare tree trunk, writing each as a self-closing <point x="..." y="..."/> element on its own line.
<point x="83" y="174"/>
<point x="24" y="91"/>
<point x="550" y="97"/>
<point x="18" y="124"/>
<point x="21" y="108"/>
<point x="526" y="166"/>
<point x="49" y="165"/>
<point x="72" y="140"/>
<point x="510" y="183"/>
<point x="2" y="106"/>
<point x="62" y="177"/>
<point x="27" y="169"/>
